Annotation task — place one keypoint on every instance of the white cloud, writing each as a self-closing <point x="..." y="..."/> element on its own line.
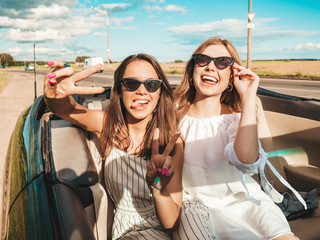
<point x="41" y="51"/>
<point x="53" y="11"/>
<point x="34" y="24"/>
<point x="19" y="23"/>
<point x="152" y="8"/>
<point x="54" y="51"/>
<point x="225" y="28"/>
<point x="307" y="46"/>
<point x="175" y="8"/>
<point x="233" y="29"/>
<point x="114" y="7"/>
<point x="119" y="21"/>
<point x="100" y="34"/>
<point x="12" y="12"/>
<point x="15" y="51"/>
<point x="24" y="30"/>
<point x="39" y="36"/>
<point x="156" y="8"/>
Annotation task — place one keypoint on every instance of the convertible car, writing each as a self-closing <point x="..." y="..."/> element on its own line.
<point x="50" y="167"/>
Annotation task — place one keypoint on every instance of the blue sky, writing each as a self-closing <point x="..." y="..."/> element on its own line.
<point x="167" y="29"/>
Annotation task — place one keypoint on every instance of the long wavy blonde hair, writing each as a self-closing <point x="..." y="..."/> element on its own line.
<point x="185" y="92"/>
<point x="115" y="131"/>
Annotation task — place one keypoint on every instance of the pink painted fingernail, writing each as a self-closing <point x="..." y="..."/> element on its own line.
<point x="167" y="173"/>
<point x="52" y="83"/>
<point x="163" y="171"/>
<point x="50" y="63"/>
<point x="159" y="170"/>
<point x="51" y="75"/>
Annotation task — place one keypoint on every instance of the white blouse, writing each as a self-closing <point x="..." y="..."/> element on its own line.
<point x="212" y="173"/>
<point x="209" y="145"/>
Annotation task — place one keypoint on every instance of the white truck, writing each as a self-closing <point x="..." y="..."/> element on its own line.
<point x="89" y="62"/>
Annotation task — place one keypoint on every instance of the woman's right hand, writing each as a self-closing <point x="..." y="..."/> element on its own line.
<point x="60" y="82"/>
<point x="160" y="170"/>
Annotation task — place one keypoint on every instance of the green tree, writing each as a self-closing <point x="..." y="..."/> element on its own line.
<point x="6" y="59"/>
<point x="81" y="58"/>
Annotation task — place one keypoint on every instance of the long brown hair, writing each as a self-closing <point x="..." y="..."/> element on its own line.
<point x="185" y="92"/>
<point x="115" y="131"/>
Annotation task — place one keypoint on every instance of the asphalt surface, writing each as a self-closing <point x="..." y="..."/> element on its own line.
<point x="297" y="87"/>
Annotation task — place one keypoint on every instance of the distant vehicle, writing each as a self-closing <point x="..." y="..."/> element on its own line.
<point x="89" y="62"/>
<point x="29" y="68"/>
<point x="66" y="65"/>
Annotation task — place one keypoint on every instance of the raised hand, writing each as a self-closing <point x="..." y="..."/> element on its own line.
<point x="160" y="172"/>
<point x="60" y="82"/>
<point x="245" y="81"/>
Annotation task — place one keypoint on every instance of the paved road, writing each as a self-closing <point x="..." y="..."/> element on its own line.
<point x="301" y="88"/>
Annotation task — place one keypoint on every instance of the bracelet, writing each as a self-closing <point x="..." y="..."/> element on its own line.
<point x="156" y="183"/>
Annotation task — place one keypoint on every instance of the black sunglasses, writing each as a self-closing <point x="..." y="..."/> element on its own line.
<point x="220" y="62"/>
<point x="132" y="84"/>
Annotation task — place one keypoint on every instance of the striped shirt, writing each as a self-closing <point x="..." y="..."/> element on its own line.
<point x="135" y="215"/>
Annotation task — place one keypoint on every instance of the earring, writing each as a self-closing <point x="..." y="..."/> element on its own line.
<point x="191" y="81"/>
<point x="230" y="87"/>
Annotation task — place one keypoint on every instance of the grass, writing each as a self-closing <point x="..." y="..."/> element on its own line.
<point x="4" y="79"/>
<point x="174" y="70"/>
<point x="258" y="72"/>
<point x="287" y="75"/>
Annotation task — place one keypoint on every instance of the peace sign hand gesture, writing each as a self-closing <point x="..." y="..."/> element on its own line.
<point x="160" y="172"/>
<point x="60" y="82"/>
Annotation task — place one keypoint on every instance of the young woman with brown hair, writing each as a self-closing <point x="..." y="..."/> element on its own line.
<point x="143" y="153"/>
<point x="217" y="109"/>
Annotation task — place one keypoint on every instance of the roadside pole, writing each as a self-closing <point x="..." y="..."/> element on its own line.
<point x="250" y="26"/>
<point x="35" y="67"/>
<point x="105" y="12"/>
<point x="108" y="49"/>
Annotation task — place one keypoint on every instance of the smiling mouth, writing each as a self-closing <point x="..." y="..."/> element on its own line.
<point x="209" y="80"/>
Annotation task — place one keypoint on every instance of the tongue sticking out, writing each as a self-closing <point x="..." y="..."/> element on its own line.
<point x="139" y="104"/>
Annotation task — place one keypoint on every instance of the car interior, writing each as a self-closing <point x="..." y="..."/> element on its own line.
<point x="289" y="131"/>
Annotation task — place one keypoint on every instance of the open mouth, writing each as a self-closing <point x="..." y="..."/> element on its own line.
<point x="138" y="104"/>
<point x="209" y="80"/>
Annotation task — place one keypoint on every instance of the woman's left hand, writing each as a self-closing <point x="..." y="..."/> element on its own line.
<point x="245" y="80"/>
<point x="160" y="172"/>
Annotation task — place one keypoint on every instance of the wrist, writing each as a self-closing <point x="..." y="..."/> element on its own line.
<point x="248" y="99"/>
<point x="154" y="191"/>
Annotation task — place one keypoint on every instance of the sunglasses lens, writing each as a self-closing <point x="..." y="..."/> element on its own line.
<point x="152" y="85"/>
<point x="201" y="60"/>
<point x="131" y="84"/>
<point x="223" y="62"/>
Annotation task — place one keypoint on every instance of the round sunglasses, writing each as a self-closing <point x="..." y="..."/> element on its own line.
<point x="132" y="84"/>
<point x="220" y="62"/>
